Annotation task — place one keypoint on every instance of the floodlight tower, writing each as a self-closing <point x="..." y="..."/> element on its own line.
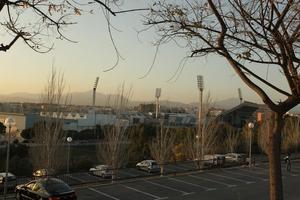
<point x="200" y="84"/>
<point x="240" y="95"/>
<point x="157" y="95"/>
<point x="94" y="90"/>
<point x="94" y="99"/>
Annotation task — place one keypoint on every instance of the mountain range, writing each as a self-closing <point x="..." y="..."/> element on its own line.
<point x="85" y="98"/>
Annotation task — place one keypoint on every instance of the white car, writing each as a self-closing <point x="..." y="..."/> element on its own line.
<point x="148" y="165"/>
<point x="11" y="183"/>
<point x="101" y="170"/>
<point x="235" y="157"/>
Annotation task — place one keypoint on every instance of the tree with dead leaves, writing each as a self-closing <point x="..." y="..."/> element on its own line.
<point x="232" y="138"/>
<point x="205" y="134"/>
<point x="39" y="22"/>
<point x="249" y="35"/>
<point x="161" y="147"/>
<point x="113" y="149"/>
<point x="49" y="137"/>
<point x="291" y="134"/>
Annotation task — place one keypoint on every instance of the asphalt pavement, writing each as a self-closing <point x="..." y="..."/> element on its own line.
<point x="234" y="183"/>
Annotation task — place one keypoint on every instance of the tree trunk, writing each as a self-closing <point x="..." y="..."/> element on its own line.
<point x="162" y="169"/>
<point x="276" y="191"/>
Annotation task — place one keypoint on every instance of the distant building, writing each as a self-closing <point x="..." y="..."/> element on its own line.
<point x="244" y="113"/>
<point x="23" y="120"/>
<point x="179" y="119"/>
<point x="146" y="108"/>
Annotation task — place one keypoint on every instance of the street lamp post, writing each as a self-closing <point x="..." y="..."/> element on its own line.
<point x="200" y="84"/>
<point x="9" y="122"/>
<point x="250" y="126"/>
<point x="69" y="140"/>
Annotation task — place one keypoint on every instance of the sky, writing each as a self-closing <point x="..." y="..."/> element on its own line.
<point x="24" y="70"/>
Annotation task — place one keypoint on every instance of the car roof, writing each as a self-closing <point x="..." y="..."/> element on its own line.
<point x="101" y="166"/>
<point x="150" y="161"/>
<point x="3" y="174"/>
<point x="50" y="180"/>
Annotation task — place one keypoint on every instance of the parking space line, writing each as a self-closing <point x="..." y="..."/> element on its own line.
<point x="253" y="172"/>
<point x="256" y="173"/>
<point x="127" y="173"/>
<point x="295" y="166"/>
<point x="240" y="174"/>
<point x="228" y="177"/>
<point x="261" y="168"/>
<point x="145" y="193"/>
<point x="192" y="184"/>
<point x="293" y="169"/>
<point x="180" y="167"/>
<point x="282" y="169"/>
<point x="170" y="188"/>
<point x="104" y="194"/>
<point x="75" y="178"/>
<point x="213" y="181"/>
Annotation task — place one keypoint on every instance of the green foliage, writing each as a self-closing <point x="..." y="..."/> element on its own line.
<point x="139" y="137"/>
<point x="27" y="133"/>
<point x="2" y="128"/>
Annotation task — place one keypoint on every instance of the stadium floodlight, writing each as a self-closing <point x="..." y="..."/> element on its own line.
<point x="157" y="95"/>
<point x="200" y="82"/>
<point x="240" y="95"/>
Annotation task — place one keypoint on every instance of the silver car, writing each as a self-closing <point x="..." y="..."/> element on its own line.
<point x="148" y="165"/>
<point x="11" y="181"/>
<point x="101" y="170"/>
<point x="235" y="157"/>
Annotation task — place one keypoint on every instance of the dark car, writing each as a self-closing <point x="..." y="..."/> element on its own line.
<point x="42" y="173"/>
<point x="45" y="189"/>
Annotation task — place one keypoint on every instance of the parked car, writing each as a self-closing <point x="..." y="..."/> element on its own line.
<point x="214" y="159"/>
<point x="42" y="173"/>
<point x="11" y="181"/>
<point x="101" y="170"/>
<point x="148" y="165"/>
<point x="235" y="157"/>
<point x="45" y="188"/>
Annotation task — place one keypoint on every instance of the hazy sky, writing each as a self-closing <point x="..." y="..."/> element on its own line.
<point x="26" y="71"/>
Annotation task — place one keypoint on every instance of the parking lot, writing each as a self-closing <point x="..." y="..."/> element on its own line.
<point x="227" y="183"/>
<point x="239" y="182"/>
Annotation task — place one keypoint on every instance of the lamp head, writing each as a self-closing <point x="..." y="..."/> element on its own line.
<point x="96" y="83"/>
<point x="250" y="125"/>
<point x="69" y="139"/>
<point x="200" y="82"/>
<point x="157" y="92"/>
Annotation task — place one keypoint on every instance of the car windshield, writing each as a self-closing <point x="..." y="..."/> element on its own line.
<point x="9" y="178"/>
<point x="154" y="163"/>
<point x="54" y="187"/>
